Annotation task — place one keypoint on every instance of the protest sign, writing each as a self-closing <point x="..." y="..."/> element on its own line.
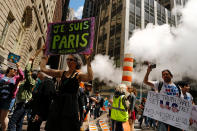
<point x="194" y="117"/>
<point x="172" y="110"/>
<point x="70" y="37"/>
<point x="12" y="60"/>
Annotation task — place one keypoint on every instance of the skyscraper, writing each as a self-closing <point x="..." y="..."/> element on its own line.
<point x="117" y="19"/>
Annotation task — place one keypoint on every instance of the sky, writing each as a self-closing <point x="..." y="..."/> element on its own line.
<point x="77" y="5"/>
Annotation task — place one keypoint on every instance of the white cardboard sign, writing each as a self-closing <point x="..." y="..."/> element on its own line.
<point x="172" y="110"/>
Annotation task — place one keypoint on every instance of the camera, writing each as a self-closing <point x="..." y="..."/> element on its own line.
<point x="153" y="66"/>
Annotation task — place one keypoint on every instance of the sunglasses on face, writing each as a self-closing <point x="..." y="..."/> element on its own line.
<point x="69" y="59"/>
<point x="13" y="69"/>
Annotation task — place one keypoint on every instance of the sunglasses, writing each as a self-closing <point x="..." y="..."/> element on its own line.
<point x="69" y="59"/>
<point x="13" y="69"/>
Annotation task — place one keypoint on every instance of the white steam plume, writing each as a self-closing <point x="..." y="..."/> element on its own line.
<point x="105" y="70"/>
<point x="171" y="48"/>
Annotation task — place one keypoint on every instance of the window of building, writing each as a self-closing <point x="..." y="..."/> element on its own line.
<point x="119" y="9"/>
<point x="163" y="15"/>
<point x="132" y="18"/>
<point x="132" y="1"/>
<point x="152" y="19"/>
<point x="131" y="27"/>
<point x="39" y="43"/>
<point x="8" y="22"/>
<point x="132" y="7"/>
<point x="138" y="3"/>
<point x="30" y="48"/>
<point x="36" y="28"/>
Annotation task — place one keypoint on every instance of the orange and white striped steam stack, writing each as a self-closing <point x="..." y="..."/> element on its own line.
<point x="127" y="69"/>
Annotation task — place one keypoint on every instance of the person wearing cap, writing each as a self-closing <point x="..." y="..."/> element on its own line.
<point x="8" y="89"/>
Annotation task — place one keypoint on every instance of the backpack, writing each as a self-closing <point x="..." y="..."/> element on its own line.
<point x="161" y="84"/>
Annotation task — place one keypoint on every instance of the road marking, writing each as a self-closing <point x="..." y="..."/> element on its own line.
<point x="104" y="125"/>
<point x="92" y="127"/>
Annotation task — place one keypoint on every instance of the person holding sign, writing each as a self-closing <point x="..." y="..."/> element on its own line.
<point x="8" y="89"/>
<point x="165" y="87"/>
<point x="63" y="114"/>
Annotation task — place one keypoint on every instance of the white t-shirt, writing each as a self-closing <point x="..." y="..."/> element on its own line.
<point x="187" y="96"/>
<point x="168" y="89"/>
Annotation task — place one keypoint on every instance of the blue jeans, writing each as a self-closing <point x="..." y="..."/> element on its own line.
<point x="16" y="120"/>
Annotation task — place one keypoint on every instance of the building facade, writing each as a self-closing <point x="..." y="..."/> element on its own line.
<point x="89" y="8"/>
<point x="71" y="14"/>
<point x="23" y="27"/>
<point x="117" y="19"/>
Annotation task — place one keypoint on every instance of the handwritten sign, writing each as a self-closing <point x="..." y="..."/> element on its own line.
<point x="12" y="60"/>
<point x="71" y="37"/>
<point x="168" y="109"/>
<point x="194" y="117"/>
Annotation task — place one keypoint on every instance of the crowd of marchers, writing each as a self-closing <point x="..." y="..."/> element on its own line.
<point x="124" y="108"/>
<point x="62" y="98"/>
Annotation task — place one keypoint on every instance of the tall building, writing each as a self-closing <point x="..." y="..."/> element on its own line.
<point x="60" y="14"/>
<point x="23" y="27"/>
<point x="71" y="14"/>
<point x="89" y="8"/>
<point x="169" y="4"/>
<point x="117" y="19"/>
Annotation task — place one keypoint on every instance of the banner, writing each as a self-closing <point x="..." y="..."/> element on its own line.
<point x="12" y="60"/>
<point x="194" y="117"/>
<point x="168" y="109"/>
<point x="70" y="37"/>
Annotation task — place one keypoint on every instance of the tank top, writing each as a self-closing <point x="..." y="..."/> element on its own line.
<point x="68" y="98"/>
<point x="69" y="85"/>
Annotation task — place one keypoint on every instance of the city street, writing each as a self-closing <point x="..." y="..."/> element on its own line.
<point x="63" y="59"/>
<point x="86" y="124"/>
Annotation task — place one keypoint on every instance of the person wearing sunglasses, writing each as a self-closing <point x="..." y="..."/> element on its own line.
<point x="64" y="112"/>
<point x="8" y="89"/>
